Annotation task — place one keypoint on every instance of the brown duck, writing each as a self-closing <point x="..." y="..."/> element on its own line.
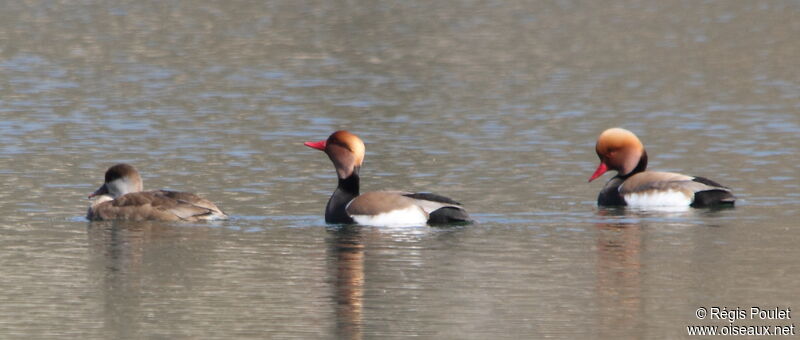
<point x="121" y="197"/>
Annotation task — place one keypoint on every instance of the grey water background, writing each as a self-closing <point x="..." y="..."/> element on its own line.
<point x="494" y="103"/>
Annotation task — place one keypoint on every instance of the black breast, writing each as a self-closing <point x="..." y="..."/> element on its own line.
<point x="610" y="195"/>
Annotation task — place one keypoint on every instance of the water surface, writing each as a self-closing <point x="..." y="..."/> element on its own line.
<point x="496" y="104"/>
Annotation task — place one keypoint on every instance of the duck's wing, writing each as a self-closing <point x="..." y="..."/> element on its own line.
<point x="160" y="205"/>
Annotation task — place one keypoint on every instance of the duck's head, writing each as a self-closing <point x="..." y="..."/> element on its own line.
<point x="120" y="180"/>
<point x="619" y="150"/>
<point x="345" y="150"/>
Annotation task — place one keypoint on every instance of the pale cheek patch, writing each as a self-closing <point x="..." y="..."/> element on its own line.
<point x="119" y="187"/>
<point x="655" y="199"/>
<point x="409" y="217"/>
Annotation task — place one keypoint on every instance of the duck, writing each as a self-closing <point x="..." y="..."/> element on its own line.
<point x="620" y="150"/>
<point x="378" y="208"/>
<point x="122" y="197"/>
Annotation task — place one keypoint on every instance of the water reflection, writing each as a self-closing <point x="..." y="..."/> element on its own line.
<point x="347" y="252"/>
<point x="483" y="101"/>
<point x="346" y="246"/>
<point x="619" y="278"/>
<point x="131" y="258"/>
<point x="620" y="273"/>
<point x="624" y="216"/>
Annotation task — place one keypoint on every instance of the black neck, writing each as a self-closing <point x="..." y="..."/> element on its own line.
<point x="345" y="192"/>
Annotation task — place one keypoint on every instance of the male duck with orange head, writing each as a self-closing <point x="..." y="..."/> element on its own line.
<point x="633" y="186"/>
<point x="378" y="208"/>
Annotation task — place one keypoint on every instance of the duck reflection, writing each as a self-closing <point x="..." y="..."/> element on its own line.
<point x="621" y="241"/>
<point x="346" y="247"/>
<point x="132" y="257"/>
<point x="619" y="275"/>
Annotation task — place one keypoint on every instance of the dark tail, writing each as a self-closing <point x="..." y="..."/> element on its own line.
<point x="717" y="198"/>
<point x="449" y="215"/>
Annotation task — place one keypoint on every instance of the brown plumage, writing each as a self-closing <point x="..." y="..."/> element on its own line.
<point x="120" y="198"/>
<point x="379" y="202"/>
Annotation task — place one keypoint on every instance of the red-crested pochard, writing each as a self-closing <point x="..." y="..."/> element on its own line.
<point x="621" y="150"/>
<point x="378" y="208"/>
<point x="121" y="198"/>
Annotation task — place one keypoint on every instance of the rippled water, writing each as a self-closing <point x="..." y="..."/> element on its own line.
<point x="496" y="104"/>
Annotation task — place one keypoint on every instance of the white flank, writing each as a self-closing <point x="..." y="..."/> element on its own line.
<point x="408" y="217"/>
<point x="658" y="199"/>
